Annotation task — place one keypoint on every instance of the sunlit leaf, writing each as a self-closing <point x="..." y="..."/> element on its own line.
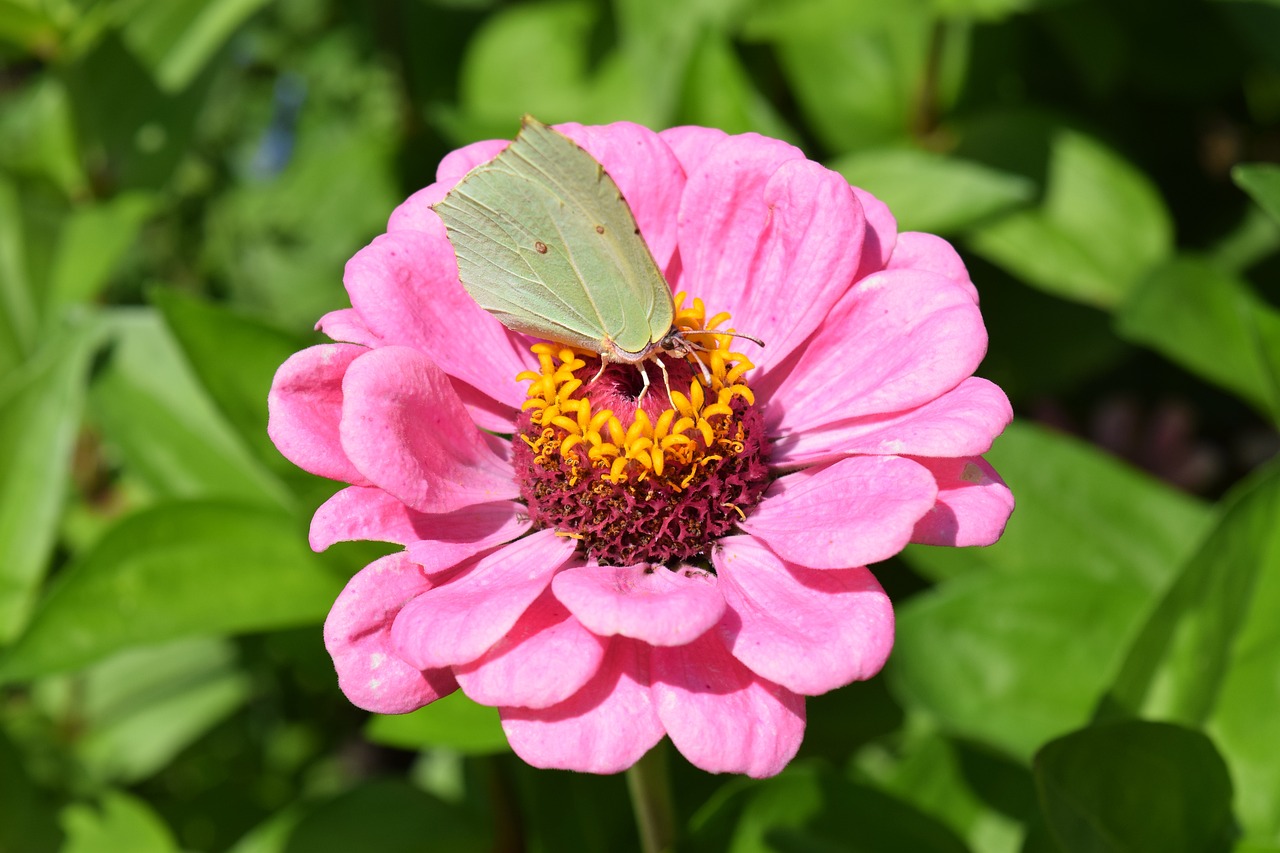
<point x="1262" y="181"/>
<point x="119" y="821"/>
<point x="454" y="722"/>
<point x="179" y="570"/>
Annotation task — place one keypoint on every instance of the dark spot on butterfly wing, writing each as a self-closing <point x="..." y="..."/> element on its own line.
<point x="540" y="247"/>
<point x="599" y="229"/>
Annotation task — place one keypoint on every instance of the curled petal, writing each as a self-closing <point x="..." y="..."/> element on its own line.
<point x="900" y="339"/>
<point x="405" y="430"/>
<point x="405" y="285"/>
<point x="809" y="630"/>
<point x="358" y="636"/>
<point x="461" y="620"/>
<point x="920" y="251"/>
<point x="973" y="504"/>
<point x="880" y="241"/>
<point x="720" y="715"/>
<point x="346" y="325"/>
<point x="660" y="607"/>
<point x="304" y="410"/>
<point x="962" y="422"/>
<point x="542" y="661"/>
<point x="603" y="728"/>
<point x="856" y="511"/>
<point x="370" y="513"/>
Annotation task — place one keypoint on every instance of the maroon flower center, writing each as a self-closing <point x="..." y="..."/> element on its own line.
<point x="638" y="477"/>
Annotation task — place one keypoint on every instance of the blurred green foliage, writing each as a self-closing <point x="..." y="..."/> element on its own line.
<point x="180" y="185"/>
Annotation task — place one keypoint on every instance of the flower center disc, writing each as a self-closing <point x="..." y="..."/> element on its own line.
<point x="652" y="478"/>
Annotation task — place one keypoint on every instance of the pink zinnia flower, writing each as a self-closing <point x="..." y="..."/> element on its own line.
<point x="606" y="574"/>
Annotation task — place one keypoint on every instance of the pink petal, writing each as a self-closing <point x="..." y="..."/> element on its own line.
<point x="800" y="263"/>
<point x="603" y="728"/>
<point x="882" y="233"/>
<point x="809" y="630"/>
<point x="304" y="409"/>
<point x="962" y="422"/>
<point x="647" y="173"/>
<point x="415" y="213"/>
<point x="920" y="251"/>
<point x="853" y="512"/>
<point x="653" y="604"/>
<point x="405" y="285"/>
<point x="459" y="621"/>
<point x="724" y="214"/>
<point x="404" y="429"/>
<point x="542" y="661"/>
<point x="898" y="340"/>
<point x="692" y="144"/>
<point x="358" y="636"/>
<point x="346" y="325"/>
<point x="370" y="513"/>
<point x="973" y="505"/>
<point x="720" y="715"/>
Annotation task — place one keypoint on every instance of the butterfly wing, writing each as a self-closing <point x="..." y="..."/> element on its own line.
<point x="547" y="244"/>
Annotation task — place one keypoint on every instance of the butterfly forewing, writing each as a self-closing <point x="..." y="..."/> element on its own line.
<point x="546" y="243"/>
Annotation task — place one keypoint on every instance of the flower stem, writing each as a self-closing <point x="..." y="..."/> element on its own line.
<point x="650" y="785"/>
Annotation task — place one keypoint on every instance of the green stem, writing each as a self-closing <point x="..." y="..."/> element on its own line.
<point x="650" y="785"/>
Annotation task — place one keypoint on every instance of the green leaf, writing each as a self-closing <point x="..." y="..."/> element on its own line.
<point x="1262" y="181"/>
<point x="154" y="413"/>
<point x="932" y="192"/>
<point x="37" y="135"/>
<point x="235" y="357"/>
<point x="1101" y="227"/>
<point x="389" y="817"/>
<point x="19" y="321"/>
<point x="123" y="822"/>
<point x="453" y="722"/>
<point x="858" y="86"/>
<point x="179" y="570"/>
<point x="94" y="239"/>
<point x="177" y="38"/>
<point x="1135" y="787"/>
<point x="1210" y="322"/>
<point x="1208" y="654"/>
<point x="28" y="822"/>
<point x="138" y="709"/>
<point x="719" y="93"/>
<point x="40" y="410"/>
<point x="995" y="652"/>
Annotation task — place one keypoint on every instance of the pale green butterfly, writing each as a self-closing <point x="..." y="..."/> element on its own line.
<point x="547" y="244"/>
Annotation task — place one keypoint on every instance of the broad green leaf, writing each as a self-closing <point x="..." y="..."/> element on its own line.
<point x="1135" y="787"/>
<point x="718" y="92"/>
<point x="154" y="413"/>
<point x="28" y="819"/>
<point x="996" y="652"/>
<point x="1101" y="227"/>
<point x="987" y="10"/>
<point x="177" y="38"/>
<point x="859" y="86"/>
<point x="931" y="192"/>
<point x="40" y="411"/>
<point x="135" y="711"/>
<point x="1256" y="236"/>
<point x="235" y="357"/>
<point x="389" y="817"/>
<point x="1210" y="322"/>
<point x="93" y="241"/>
<point x="1209" y="653"/>
<point x="26" y="25"/>
<point x="1079" y="512"/>
<point x="454" y="722"/>
<point x="178" y="570"/>
<point x="814" y="18"/>
<point x="1262" y="181"/>
<point x="120" y="822"/>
